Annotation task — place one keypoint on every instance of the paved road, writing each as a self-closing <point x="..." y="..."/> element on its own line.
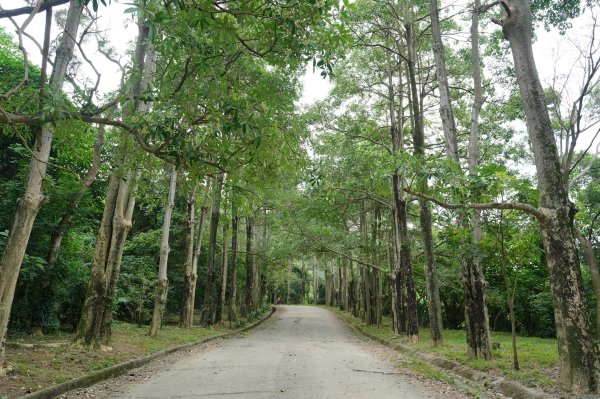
<point x="304" y="352"/>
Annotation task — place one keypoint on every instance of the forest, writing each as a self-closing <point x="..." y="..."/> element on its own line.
<point x="441" y="187"/>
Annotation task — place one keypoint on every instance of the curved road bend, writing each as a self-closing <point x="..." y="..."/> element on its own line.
<point x="304" y="352"/>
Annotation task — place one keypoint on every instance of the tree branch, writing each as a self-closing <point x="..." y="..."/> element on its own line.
<point x="27" y="10"/>
<point x="492" y="205"/>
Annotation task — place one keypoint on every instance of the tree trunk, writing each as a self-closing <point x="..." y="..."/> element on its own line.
<point x="315" y="281"/>
<point x="477" y="319"/>
<point x="412" y="325"/>
<point x="509" y="292"/>
<point x="188" y="299"/>
<point x="446" y="113"/>
<point x="234" y="250"/>
<point x="579" y="366"/>
<point x="209" y="296"/>
<point x="398" y="273"/>
<point x="434" y="305"/>
<point x="95" y="323"/>
<point x="224" y="272"/>
<point x="162" y="285"/>
<point x="33" y="197"/>
<point x="248" y="303"/>
<point x="304" y="282"/>
<point x="327" y="287"/>
<point x="289" y="283"/>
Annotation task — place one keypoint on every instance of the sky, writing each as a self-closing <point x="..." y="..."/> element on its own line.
<point x="553" y="52"/>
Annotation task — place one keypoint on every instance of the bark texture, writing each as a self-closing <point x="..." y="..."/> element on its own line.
<point x="477" y="320"/>
<point x="95" y="323"/>
<point x="315" y="281"/>
<point x="446" y="113"/>
<point x="33" y="197"/>
<point x="224" y="267"/>
<point x="248" y="302"/>
<point x="162" y="285"/>
<point x="579" y="367"/>
<point x="96" y="318"/>
<point x="188" y="299"/>
<point x="434" y="305"/>
<point x="235" y="219"/>
<point x="208" y="311"/>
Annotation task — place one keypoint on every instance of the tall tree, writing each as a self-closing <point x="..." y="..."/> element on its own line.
<point x="224" y="267"/>
<point x="162" y="284"/>
<point x="578" y="354"/>
<point x="95" y="324"/>
<point x="479" y="341"/>
<point x="249" y="304"/>
<point x="194" y="246"/>
<point x="33" y="197"/>
<point x="208" y="311"/>
<point x="235" y="219"/>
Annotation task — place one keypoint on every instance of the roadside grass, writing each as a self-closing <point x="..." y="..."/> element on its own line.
<point x="39" y="367"/>
<point x="538" y="357"/>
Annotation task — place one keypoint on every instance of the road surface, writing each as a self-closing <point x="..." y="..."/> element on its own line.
<point x="302" y="352"/>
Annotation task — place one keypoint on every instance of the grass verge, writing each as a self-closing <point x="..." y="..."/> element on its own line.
<point x="538" y="357"/>
<point x="41" y="366"/>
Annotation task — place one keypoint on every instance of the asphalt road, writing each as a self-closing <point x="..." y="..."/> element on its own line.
<point x="304" y="352"/>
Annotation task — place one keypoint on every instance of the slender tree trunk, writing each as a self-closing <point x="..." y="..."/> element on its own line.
<point x="446" y="113"/>
<point x="579" y="366"/>
<point x="327" y="287"/>
<point x="289" y="283"/>
<point x="364" y="271"/>
<point x="209" y="296"/>
<point x="224" y="272"/>
<point x="418" y="135"/>
<point x="188" y="299"/>
<point x="434" y="305"/>
<point x="398" y="284"/>
<point x="304" y="282"/>
<point x="477" y="318"/>
<point x="248" y="303"/>
<point x="162" y="285"/>
<point x="412" y="325"/>
<point x="398" y="270"/>
<point x="33" y="197"/>
<point x="510" y="293"/>
<point x="234" y="252"/>
<point x="345" y="292"/>
<point x="189" y="249"/>
<point x="376" y="275"/>
<point x="315" y="281"/>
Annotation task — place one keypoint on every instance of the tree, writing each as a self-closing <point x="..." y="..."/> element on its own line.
<point x="162" y="284"/>
<point x="578" y="354"/>
<point x="33" y="197"/>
